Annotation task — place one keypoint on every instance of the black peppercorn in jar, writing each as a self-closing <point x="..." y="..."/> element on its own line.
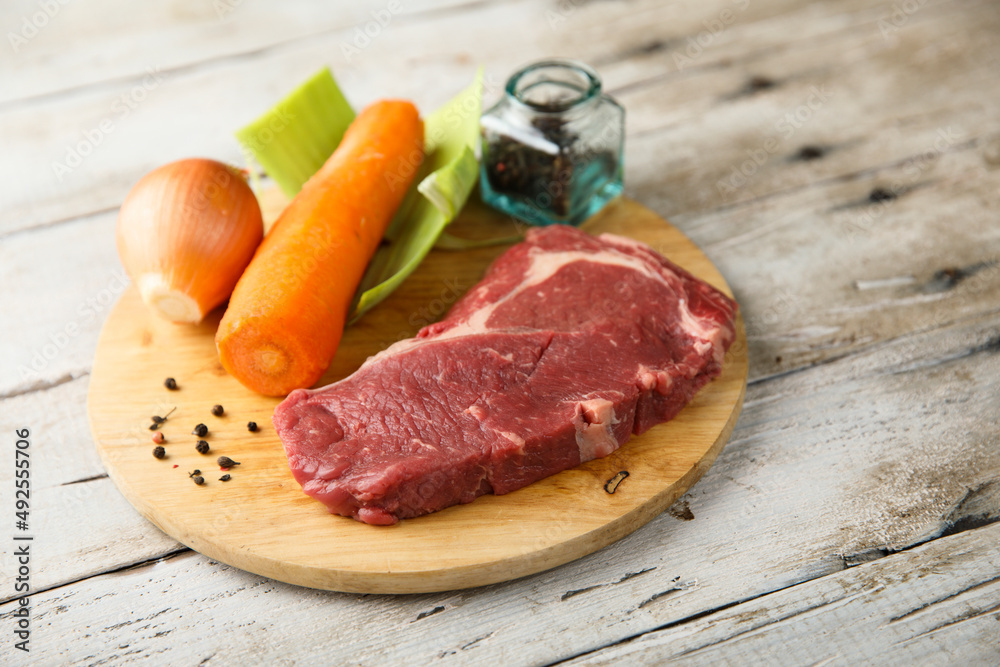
<point x="552" y="146"/>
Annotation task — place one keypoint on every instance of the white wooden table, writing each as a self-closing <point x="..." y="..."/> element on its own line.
<point x="839" y="161"/>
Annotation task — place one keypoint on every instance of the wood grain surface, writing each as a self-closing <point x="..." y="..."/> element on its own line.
<point x="865" y="463"/>
<point x="261" y="521"/>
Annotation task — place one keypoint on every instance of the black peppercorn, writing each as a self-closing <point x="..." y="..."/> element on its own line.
<point x="252" y="427"/>
<point x="226" y="462"/>
<point x="218" y="410"/>
<point x="202" y="447"/>
<point x="157" y="419"/>
<point x="198" y="479"/>
<point x="200" y="430"/>
<point x="159" y="452"/>
<point x="170" y="384"/>
<point x="196" y="472"/>
<point x="225" y="478"/>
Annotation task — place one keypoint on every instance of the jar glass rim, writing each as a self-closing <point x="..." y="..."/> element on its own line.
<point x="586" y="87"/>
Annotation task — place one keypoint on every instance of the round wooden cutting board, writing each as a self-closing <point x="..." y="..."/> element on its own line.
<point x="261" y="521"/>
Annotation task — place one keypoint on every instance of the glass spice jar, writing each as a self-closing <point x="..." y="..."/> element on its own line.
<point x="552" y="147"/>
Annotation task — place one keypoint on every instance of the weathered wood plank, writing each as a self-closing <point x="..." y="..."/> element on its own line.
<point x="825" y="271"/>
<point x="45" y="41"/>
<point x="830" y="466"/>
<point x="202" y="106"/>
<point x="938" y="604"/>
<point x="62" y="452"/>
<point x="82" y="529"/>
<point x="59" y="285"/>
<point x="80" y="523"/>
<point x="730" y="143"/>
<point x="78" y="154"/>
<point x="190" y="32"/>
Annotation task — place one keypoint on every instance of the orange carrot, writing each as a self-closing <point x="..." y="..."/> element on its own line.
<point x="287" y="313"/>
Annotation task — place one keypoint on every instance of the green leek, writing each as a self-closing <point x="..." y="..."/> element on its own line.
<point x="293" y="139"/>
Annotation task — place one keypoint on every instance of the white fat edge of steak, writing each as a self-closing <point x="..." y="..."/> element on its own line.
<point x="544" y="265"/>
<point x="594" y="437"/>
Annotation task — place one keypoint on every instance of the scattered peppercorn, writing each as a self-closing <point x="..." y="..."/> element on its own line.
<point x="157" y="419"/>
<point x="198" y="479"/>
<point x="226" y="462"/>
<point x="218" y="410"/>
<point x="170" y="384"/>
<point x="196" y="472"/>
<point x="159" y="452"/>
<point x="202" y="447"/>
<point x="252" y="427"/>
<point x="225" y="478"/>
<point x="158" y="438"/>
<point x="200" y="430"/>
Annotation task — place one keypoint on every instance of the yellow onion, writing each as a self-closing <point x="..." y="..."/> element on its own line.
<point x="185" y="233"/>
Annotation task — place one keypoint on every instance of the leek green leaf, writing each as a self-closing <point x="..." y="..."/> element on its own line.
<point x="293" y="139"/>
<point x="448" y="241"/>
<point x="450" y="135"/>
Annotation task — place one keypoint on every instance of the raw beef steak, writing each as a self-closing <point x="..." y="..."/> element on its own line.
<point x="570" y="344"/>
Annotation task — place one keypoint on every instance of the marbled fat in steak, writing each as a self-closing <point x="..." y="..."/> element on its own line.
<point x="570" y="344"/>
